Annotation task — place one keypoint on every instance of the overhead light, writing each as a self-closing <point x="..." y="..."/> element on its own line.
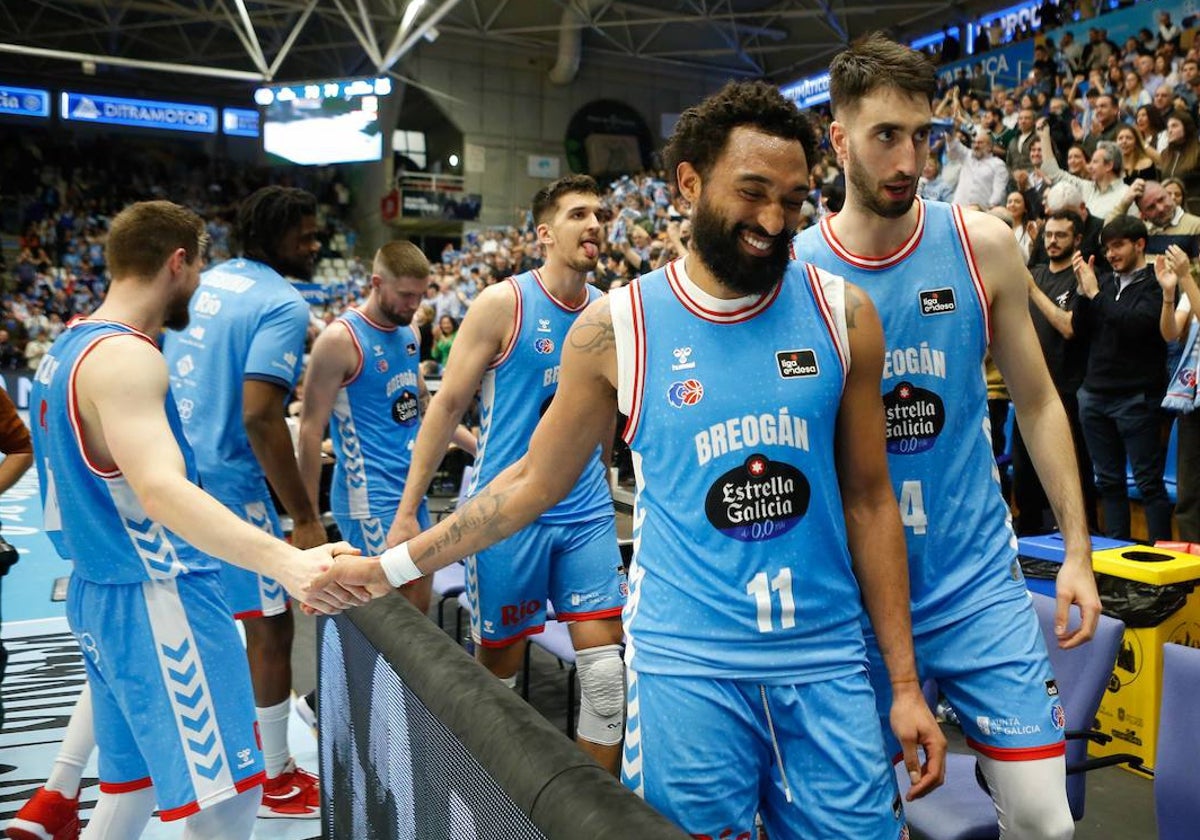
<point x="431" y="34"/>
<point x="454" y="160"/>
<point x="410" y="14"/>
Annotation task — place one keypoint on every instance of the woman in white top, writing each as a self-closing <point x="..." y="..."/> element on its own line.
<point x="1024" y="230"/>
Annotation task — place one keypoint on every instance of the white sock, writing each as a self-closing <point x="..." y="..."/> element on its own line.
<point x="230" y="819"/>
<point x="120" y="814"/>
<point x="76" y="749"/>
<point x="273" y="727"/>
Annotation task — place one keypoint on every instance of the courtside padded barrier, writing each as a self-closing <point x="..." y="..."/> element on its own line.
<point x="417" y="740"/>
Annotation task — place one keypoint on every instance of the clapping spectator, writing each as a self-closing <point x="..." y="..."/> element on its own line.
<point x="444" y="334"/>
<point x="1182" y="154"/>
<point x="1136" y="160"/>
<point x="1151" y="127"/>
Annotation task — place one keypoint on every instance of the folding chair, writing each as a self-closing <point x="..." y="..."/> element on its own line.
<point x="1176" y="804"/>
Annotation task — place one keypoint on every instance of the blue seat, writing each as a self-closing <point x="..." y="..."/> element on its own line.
<point x="961" y="809"/>
<point x="1170" y="469"/>
<point x="448" y="582"/>
<point x="1177" y="767"/>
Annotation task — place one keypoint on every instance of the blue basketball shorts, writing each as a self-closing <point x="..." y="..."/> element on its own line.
<point x="173" y="708"/>
<point x="577" y="566"/>
<point x="250" y="594"/>
<point x="709" y="754"/>
<point x="993" y="668"/>
<point x="370" y="535"/>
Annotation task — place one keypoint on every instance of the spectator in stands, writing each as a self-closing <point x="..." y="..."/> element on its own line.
<point x="1182" y="153"/>
<point x="444" y="334"/>
<point x="1077" y="162"/>
<point x="1133" y="95"/>
<point x="1125" y="379"/>
<point x="1151" y="128"/>
<point x="1024" y="229"/>
<point x="1137" y="161"/>
<point x="37" y="346"/>
<point x="932" y="187"/>
<point x="1055" y="307"/>
<point x="1066" y="196"/>
<point x="1167" y="223"/>
<point x="1105" y="121"/>
<point x="1017" y="152"/>
<point x="982" y="178"/>
<point x="1176" y="190"/>
<point x="1162" y="98"/>
<point x="1104" y="188"/>
<point x="1168" y="31"/>
<point x="1151" y="80"/>
<point x="11" y="357"/>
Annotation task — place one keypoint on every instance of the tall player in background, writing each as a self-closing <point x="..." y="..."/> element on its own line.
<point x="510" y="344"/>
<point x="764" y="519"/>
<point x="948" y="283"/>
<point x="231" y="372"/>
<point x="173" y="713"/>
<point x="365" y="372"/>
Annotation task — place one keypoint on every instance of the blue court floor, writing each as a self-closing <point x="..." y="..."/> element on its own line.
<point x="45" y="675"/>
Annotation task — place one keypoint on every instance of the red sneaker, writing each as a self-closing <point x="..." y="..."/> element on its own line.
<point x="48" y="815"/>
<point x="292" y="795"/>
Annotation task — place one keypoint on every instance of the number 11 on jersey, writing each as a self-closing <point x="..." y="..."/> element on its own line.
<point x="761" y="590"/>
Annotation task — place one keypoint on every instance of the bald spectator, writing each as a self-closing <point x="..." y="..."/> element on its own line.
<point x="1167" y="223"/>
<point x="982" y="177"/>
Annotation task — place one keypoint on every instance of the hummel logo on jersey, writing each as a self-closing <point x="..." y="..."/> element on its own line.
<point x="291" y="359"/>
<point x="197" y="333"/>
<point x="377" y="349"/>
<point x="937" y="301"/>
<point x="543" y="325"/>
<point x="796" y="363"/>
<point x="682" y="354"/>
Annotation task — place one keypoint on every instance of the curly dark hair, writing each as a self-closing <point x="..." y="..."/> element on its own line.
<point x="876" y="61"/>
<point x="545" y="200"/>
<point x="267" y="215"/>
<point x="703" y="130"/>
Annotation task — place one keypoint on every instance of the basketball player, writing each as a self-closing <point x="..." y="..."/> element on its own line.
<point x="509" y="346"/>
<point x="231" y="372"/>
<point x="234" y="365"/>
<point x="173" y="713"/>
<point x="948" y="284"/>
<point x="764" y="519"/>
<point x="365" y="372"/>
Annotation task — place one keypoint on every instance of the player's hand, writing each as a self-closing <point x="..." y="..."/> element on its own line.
<point x="914" y="725"/>
<point x="357" y="575"/>
<point x="403" y="529"/>
<point x="302" y="572"/>
<point x="309" y="534"/>
<point x="1076" y="584"/>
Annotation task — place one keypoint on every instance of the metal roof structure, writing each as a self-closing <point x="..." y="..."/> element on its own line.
<point x="212" y="45"/>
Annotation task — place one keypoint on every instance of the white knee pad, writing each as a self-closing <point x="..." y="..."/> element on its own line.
<point x="601" y="694"/>
<point x="1030" y="797"/>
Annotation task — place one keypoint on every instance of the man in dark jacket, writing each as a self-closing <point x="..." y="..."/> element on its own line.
<point x="1126" y="378"/>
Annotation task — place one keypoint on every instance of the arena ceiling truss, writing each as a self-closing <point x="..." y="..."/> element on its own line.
<point x="240" y="41"/>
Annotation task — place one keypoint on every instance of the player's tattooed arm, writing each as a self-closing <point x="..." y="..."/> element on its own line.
<point x="480" y="518"/>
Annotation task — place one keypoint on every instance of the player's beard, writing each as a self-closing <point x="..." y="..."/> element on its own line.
<point x="717" y="241"/>
<point x="178" y="315"/>
<point x="867" y="193"/>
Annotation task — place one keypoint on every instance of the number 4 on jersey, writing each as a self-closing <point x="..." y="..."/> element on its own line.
<point x="912" y="507"/>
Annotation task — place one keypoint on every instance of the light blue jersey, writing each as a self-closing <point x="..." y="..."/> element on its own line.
<point x="247" y="322"/>
<point x="962" y="554"/>
<point x="516" y="391"/>
<point x="375" y="419"/>
<point x="740" y="568"/>
<point x="92" y="515"/>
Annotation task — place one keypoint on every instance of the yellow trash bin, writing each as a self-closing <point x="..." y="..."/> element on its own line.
<point x="1129" y="708"/>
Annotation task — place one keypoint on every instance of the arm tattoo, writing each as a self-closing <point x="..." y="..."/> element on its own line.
<point x="593" y="336"/>
<point x="423" y="401"/>
<point x="481" y="515"/>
